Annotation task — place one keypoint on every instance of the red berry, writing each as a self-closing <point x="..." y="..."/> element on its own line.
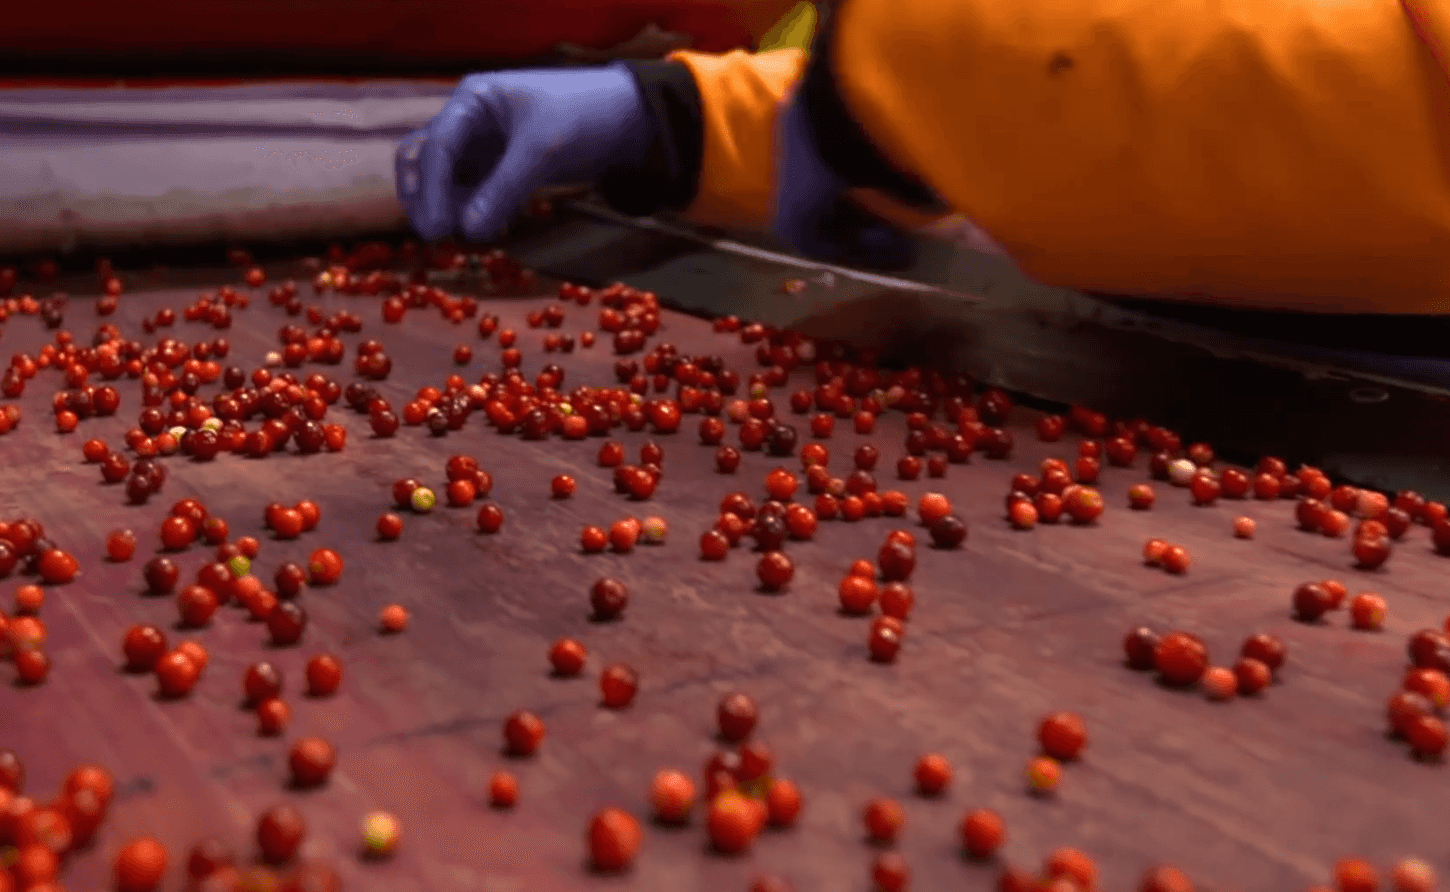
<point x="503" y="790"/>
<point x="567" y="656"/>
<point x="781" y="484"/>
<point x="727" y="459"/>
<point x="280" y="832"/>
<point x="1165" y="878"/>
<point x="982" y="833"/>
<point x="948" y="532"/>
<point x="1073" y="865"/>
<point x="714" y="545"/>
<point x="884" y="641"/>
<point x="140" y="865"/>
<point x="143" y="646"/>
<point x="324" y="567"/>
<point x="1427" y="735"/>
<point x="933" y="506"/>
<point x="490" y="518"/>
<point x="896" y="560"/>
<point x="1062" y="736"/>
<point x="1175" y="559"/>
<point x="1367" y="612"/>
<point x="286" y="523"/>
<point x="884" y="818"/>
<point x="783" y="802"/>
<point x="1404" y="707"/>
<point x="120" y="545"/>
<point x="461" y="493"/>
<point x="801" y="522"/>
<point x="32" y="665"/>
<point x="1334" y="524"/>
<point x="29" y="599"/>
<point x="733" y="821"/>
<point x="1180" y="658"/>
<point x="272" y="717"/>
<point x="1234" y="483"/>
<point x="1371" y="551"/>
<point x="1083" y="504"/>
<point x="608" y="597"/>
<point x="1023" y="514"/>
<point x="933" y="774"/>
<point x="618" y="684"/>
<point x="177" y="533"/>
<point x="857" y="594"/>
<point x="897" y="600"/>
<point x="614" y="839"/>
<point x="286" y="622"/>
<point x="1141" y="496"/>
<point x="1431" y="684"/>
<point x="1251" y="676"/>
<point x="672" y="794"/>
<point x="57" y="567"/>
<point x="623" y="534"/>
<point x="1204" y="487"/>
<point x="736" y="716"/>
<point x="1266" y="487"/>
<point x="311" y="762"/>
<point x="1049" y="506"/>
<point x="775" y="570"/>
<point x="393" y="619"/>
<point x="523" y="732"/>
<point x="176" y="674"/>
<point x="1050" y="428"/>
<point x="311" y="514"/>
<point x="324" y="675"/>
<point x="1311" y="601"/>
<point x="562" y="486"/>
<point x="1140" y="647"/>
<point x="1219" y="683"/>
<point x="1413" y="875"/>
<point x="890" y="872"/>
<point x="1044" y="774"/>
<point x="390" y="527"/>
<point x="261" y="682"/>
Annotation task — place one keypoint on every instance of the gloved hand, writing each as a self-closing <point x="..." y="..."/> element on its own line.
<point x="812" y="212"/>
<point x="504" y="135"/>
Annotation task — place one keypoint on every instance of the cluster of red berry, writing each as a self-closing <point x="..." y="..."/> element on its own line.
<point x="24" y="545"/>
<point x="742" y="793"/>
<point x="1181" y="660"/>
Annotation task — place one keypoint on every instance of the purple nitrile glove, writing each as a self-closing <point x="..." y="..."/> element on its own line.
<point x="504" y="135"/>
<point x="812" y="213"/>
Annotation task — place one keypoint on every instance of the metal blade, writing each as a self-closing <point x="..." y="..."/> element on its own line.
<point x="800" y="265"/>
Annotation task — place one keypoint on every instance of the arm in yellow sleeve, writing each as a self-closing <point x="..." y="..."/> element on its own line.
<point x="1275" y="153"/>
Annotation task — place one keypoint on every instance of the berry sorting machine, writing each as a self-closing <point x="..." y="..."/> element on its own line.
<point x="1367" y="398"/>
<point x="108" y="168"/>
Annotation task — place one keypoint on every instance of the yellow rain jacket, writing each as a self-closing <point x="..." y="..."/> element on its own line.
<point x="1272" y="153"/>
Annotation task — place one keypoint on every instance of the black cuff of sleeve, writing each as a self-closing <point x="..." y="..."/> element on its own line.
<point x="843" y="144"/>
<point x="670" y="175"/>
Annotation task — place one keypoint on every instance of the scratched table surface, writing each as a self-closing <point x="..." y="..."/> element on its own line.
<point x="1257" y="794"/>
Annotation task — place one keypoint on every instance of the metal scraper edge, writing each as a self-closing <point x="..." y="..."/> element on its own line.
<point x="740" y="249"/>
<point x="1225" y="345"/>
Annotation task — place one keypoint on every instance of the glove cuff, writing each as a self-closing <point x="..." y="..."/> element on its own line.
<point x="668" y="173"/>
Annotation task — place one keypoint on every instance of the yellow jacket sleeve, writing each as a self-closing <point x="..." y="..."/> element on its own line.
<point x="1278" y="153"/>
<point x="739" y="96"/>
